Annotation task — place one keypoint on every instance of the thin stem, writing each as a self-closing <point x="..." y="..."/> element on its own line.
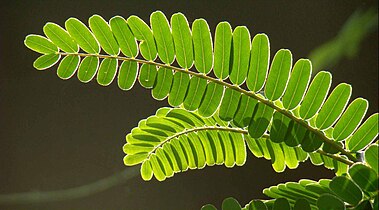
<point x="205" y="128"/>
<point x="338" y="158"/>
<point x="72" y="193"/>
<point x="234" y="87"/>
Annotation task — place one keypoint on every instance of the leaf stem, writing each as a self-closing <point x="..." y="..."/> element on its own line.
<point x="196" y="129"/>
<point x="335" y="157"/>
<point x="269" y="103"/>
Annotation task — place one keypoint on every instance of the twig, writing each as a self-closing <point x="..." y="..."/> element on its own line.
<point x="72" y="193"/>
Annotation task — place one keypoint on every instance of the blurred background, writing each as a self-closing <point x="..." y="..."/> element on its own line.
<point x="58" y="134"/>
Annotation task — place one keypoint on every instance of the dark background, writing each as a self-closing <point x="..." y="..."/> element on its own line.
<point x="58" y="134"/>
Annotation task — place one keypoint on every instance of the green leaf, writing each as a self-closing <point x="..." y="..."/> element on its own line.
<point x="107" y="71"/>
<point x="259" y="61"/>
<point x="229" y="157"/>
<point x="178" y="89"/>
<point x="131" y="160"/>
<point x="290" y="156"/>
<point x="281" y="204"/>
<point x="218" y="147"/>
<point x="316" y="95"/>
<point x="163" y="37"/>
<point x="104" y="35"/>
<point x="278" y="76"/>
<point x="255" y="147"/>
<point x="60" y="38"/>
<point x="330" y="149"/>
<point x="277" y="156"/>
<point x="239" y="148"/>
<point x="179" y="152"/>
<point x="256" y="205"/>
<point x="124" y="36"/>
<point x="333" y="106"/>
<point x="202" y="43"/>
<point x="351" y="119"/>
<point x="132" y="149"/>
<point x="346" y="189"/>
<point x="146" y="171"/>
<point x="244" y="111"/>
<point x="165" y="162"/>
<point x="365" y="134"/>
<point x="143" y="33"/>
<point x="46" y="61"/>
<point x="366" y="178"/>
<point x="158" y="169"/>
<point x="87" y="69"/>
<point x="147" y="75"/>
<point x="163" y="83"/>
<point x="127" y="75"/>
<point x="211" y="99"/>
<point x="222" y="49"/>
<point x="40" y="44"/>
<point x="181" y="34"/>
<point x="241" y="52"/>
<point x="297" y="84"/>
<point x="295" y="134"/>
<point x="229" y="104"/>
<point x="68" y="66"/>
<point x="183" y="140"/>
<point x="172" y="158"/>
<point x="82" y="35"/>
<point x="279" y="127"/>
<point x="208" y="207"/>
<point x="302" y="204"/>
<point x="371" y="156"/>
<point x="195" y="92"/>
<point x="260" y="121"/>
<point x="231" y="204"/>
<point x="311" y="142"/>
<point x="330" y="202"/>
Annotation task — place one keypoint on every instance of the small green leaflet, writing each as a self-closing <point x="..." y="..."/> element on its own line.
<point x="365" y="134"/>
<point x="163" y="37"/>
<point x="82" y="35"/>
<point x="40" y="44"/>
<point x="60" y="37"/>
<point x="202" y="43"/>
<point x="278" y="76"/>
<point x="259" y="62"/>
<point x="127" y="75"/>
<point x="241" y="48"/>
<point x="68" y="66"/>
<point x="46" y="61"/>
<point x="223" y="43"/>
<point x="104" y="35"/>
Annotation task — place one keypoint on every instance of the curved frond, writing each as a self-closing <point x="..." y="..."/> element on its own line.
<point x="356" y="189"/>
<point x="176" y="140"/>
<point x="281" y="101"/>
<point x="287" y="109"/>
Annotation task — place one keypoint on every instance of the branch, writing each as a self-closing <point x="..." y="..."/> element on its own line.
<point x="236" y="88"/>
<point x="72" y="193"/>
